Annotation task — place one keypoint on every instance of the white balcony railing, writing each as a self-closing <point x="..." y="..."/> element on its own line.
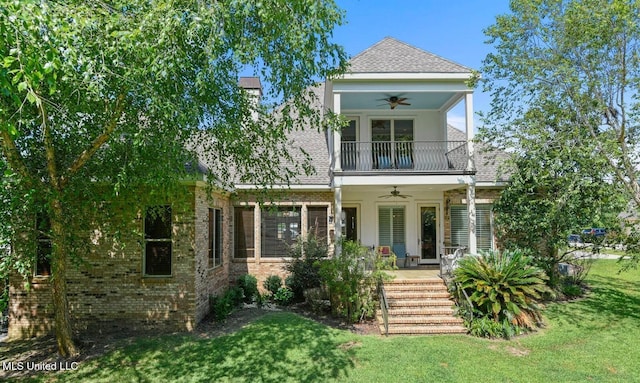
<point x="417" y="156"/>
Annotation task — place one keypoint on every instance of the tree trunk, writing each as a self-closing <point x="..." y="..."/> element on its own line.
<point x="66" y="345"/>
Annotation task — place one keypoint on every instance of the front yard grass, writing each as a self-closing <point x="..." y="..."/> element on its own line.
<point x="593" y="339"/>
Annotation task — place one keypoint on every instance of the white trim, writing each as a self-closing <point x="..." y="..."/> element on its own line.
<point x="309" y="187"/>
<point x="404" y="76"/>
<point x="395" y="86"/>
<point x="448" y="181"/>
<point x="439" y="231"/>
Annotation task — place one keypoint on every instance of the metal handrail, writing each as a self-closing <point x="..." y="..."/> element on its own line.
<point x="384" y="306"/>
<point x="466" y="296"/>
<point x="448" y="262"/>
<point x="410" y="156"/>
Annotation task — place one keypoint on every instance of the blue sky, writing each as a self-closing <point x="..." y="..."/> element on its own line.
<point x="449" y="28"/>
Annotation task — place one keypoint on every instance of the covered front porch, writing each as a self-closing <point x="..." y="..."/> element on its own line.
<point x="412" y="221"/>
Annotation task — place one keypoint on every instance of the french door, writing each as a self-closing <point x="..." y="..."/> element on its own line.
<point x="428" y="234"/>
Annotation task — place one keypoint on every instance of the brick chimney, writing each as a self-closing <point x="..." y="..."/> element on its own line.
<point x="253" y="86"/>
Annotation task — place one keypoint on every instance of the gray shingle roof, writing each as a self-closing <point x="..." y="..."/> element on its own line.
<point x="393" y="56"/>
<point x="488" y="159"/>
<point x="250" y="83"/>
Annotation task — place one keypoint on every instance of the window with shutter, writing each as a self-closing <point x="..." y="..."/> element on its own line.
<point x="391" y="226"/>
<point x="243" y="228"/>
<point x="460" y="226"/>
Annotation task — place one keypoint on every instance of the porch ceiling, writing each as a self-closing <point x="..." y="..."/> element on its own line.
<point x="413" y="190"/>
<point x="418" y="100"/>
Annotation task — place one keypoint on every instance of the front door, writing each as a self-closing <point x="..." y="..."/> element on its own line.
<point x="351" y="223"/>
<point x="428" y="234"/>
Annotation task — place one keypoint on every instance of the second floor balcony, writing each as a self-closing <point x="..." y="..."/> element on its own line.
<point x="404" y="156"/>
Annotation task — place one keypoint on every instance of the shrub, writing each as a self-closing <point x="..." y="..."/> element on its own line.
<point x="571" y="290"/>
<point x="249" y="285"/>
<point x="351" y="285"/>
<point x="283" y="296"/>
<point x="304" y="266"/>
<point x="504" y="287"/>
<point x="223" y="305"/>
<point x="273" y="284"/>
<point x="487" y="327"/>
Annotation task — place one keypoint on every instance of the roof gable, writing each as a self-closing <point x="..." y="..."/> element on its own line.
<point x="393" y="56"/>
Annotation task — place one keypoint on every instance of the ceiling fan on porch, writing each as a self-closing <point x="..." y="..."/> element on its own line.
<point x="394" y="101"/>
<point x="394" y="193"/>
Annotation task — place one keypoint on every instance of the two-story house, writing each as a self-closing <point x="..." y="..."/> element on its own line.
<point x="398" y="175"/>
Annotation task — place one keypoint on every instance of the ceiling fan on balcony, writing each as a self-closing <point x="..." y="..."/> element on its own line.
<point x="394" y="193"/>
<point x="394" y="101"/>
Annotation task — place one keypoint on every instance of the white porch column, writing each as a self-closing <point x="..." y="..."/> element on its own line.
<point x="471" y="211"/>
<point x="337" y="220"/>
<point x="471" y="188"/>
<point x="337" y="136"/>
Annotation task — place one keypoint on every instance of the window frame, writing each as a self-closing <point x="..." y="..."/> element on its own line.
<point x="285" y="223"/>
<point x="148" y="240"/>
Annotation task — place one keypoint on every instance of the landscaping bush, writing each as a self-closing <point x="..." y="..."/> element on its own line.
<point x="283" y="296"/>
<point x="351" y="285"/>
<point x="272" y="284"/>
<point x="304" y="266"/>
<point x="504" y="287"/>
<point x="223" y="305"/>
<point x="487" y="327"/>
<point x="249" y="285"/>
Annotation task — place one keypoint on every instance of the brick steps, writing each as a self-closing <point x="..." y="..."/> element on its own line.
<point x="420" y="306"/>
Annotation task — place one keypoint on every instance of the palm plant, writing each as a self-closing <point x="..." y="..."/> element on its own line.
<point x="503" y="286"/>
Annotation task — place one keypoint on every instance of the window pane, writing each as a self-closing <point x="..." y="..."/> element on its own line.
<point x="317" y="221"/>
<point x="349" y="132"/>
<point x="158" y="258"/>
<point x="243" y="232"/>
<point x="157" y="222"/>
<point x="280" y="228"/>
<point x="43" y="260"/>
<point x="403" y="130"/>
<point x="217" y="249"/>
<point x="381" y="130"/>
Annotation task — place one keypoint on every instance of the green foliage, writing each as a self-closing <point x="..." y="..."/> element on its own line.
<point x="92" y="101"/>
<point x="602" y="328"/>
<point x="350" y="283"/>
<point x="249" y="285"/>
<point x="283" y="296"/>
<point x="552" y="193"/>
<point x="487" y="327"/>
<point x="273" y="283"/>
<point x="504" y="287"/>
<point x="564" y="76"/>
<point x="571" y="290"/>
<point x="223" y="305"/>
<point x="304" y="266"/>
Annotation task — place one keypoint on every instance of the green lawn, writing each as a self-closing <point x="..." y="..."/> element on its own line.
<point x="595" y="339"/>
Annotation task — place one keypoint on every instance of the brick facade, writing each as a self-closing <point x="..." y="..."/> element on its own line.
<point x="108" y="291"/>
